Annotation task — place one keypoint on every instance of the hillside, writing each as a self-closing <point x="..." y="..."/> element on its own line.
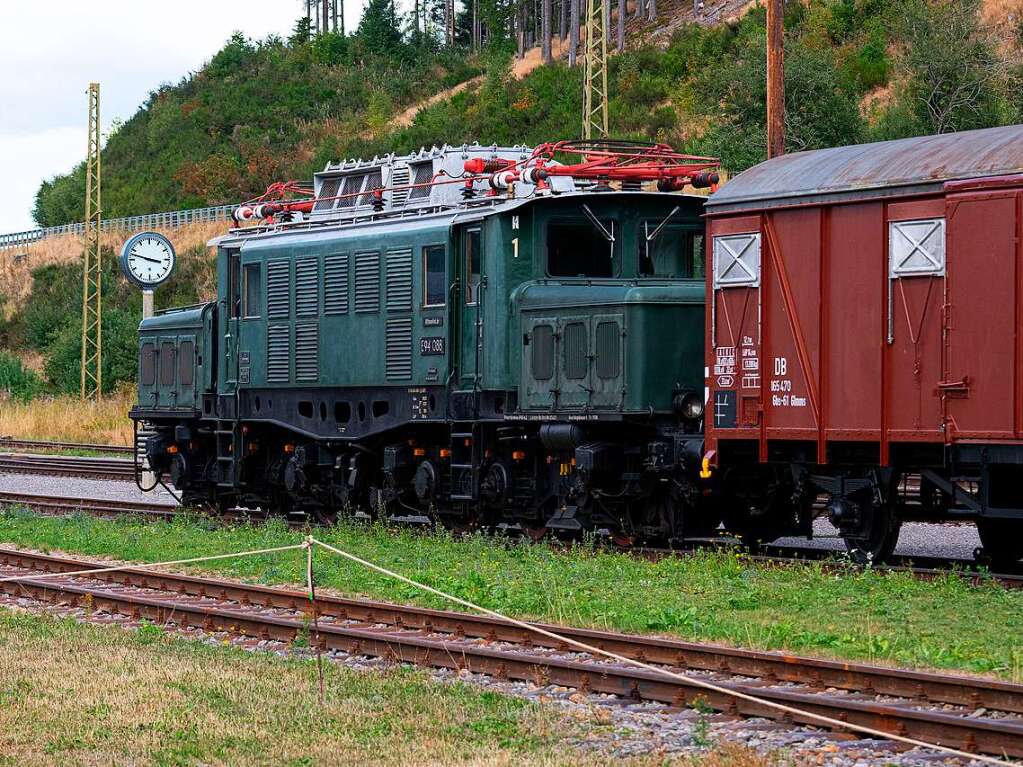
<point x="274" y="109"/>
<point x="856" y="70"/>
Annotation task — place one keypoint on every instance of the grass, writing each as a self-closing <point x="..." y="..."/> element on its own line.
<point x="874" y="616"/>
<point x="70" y="419"/>
<point x="74" y="693"/>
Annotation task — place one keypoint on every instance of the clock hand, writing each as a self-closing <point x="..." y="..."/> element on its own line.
<point x="150" y="260"/>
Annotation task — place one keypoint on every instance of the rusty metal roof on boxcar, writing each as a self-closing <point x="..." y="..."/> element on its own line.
<point x="903" y="166"/>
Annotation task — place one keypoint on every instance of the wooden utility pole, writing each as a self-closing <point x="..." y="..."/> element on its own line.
<point x="775" y="78"/>
<point x="92" y="271"/>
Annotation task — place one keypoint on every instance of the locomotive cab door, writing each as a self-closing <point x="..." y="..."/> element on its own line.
<point x="470" y="303"/>
<point x="231" y="305"/>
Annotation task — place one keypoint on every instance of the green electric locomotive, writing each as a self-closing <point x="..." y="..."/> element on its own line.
<point x="468" y="335"/>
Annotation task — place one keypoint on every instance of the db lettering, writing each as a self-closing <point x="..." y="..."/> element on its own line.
<point x="781" y="366"/>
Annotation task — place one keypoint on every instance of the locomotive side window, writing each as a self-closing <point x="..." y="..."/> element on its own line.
<point x="147" y="364"/>
<point x="581" y="248"/>
<point x="186" y="363"/>
<point x="670" y="251"/>
<point x="434" y="281"/>
<point x="250" y="290"/>
<point x="168" y="360"/>
<point x="234" y="269"/>
<point x="473" y="264"/>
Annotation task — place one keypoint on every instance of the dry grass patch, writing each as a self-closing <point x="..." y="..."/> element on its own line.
<point x="16" y="264"/>
<point x="80" y="694"/>
<point x="70" y="419"/>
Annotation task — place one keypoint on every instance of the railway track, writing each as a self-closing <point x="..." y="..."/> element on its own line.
<point x="67" y="466"/>
<point x="97" y="506"/>
<point x="978" y="715"/>
<point x="11" y="443"/>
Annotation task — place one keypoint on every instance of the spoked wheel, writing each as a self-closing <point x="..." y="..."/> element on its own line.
<point x="866" y="514"/>
<point x="878" y="539"/>
<point x="1002" y="540"/>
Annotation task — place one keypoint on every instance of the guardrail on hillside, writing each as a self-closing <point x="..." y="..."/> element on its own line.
<point x="169" y="219"/>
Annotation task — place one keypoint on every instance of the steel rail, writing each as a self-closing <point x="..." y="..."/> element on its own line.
<point x="13" y="443"/>
<point x="87" y="505"/>
<point x="917" y="687"/>
<point x="61" y="465"/>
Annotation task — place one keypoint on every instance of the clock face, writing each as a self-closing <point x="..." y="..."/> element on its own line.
<point x="148" y="259"/>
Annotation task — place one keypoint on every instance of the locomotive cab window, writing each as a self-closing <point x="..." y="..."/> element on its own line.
<point x="250" y="290"/>
<point x="234" y="269"/>
<point x="670" y="251"/>
<point x="582" y="247"/>
<point x="473" y="264"/>
<point x="435" y="285"/>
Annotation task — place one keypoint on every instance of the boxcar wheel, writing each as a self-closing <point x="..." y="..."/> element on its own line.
<point x="1002" y="540"/>
<point x="880" y="540"/>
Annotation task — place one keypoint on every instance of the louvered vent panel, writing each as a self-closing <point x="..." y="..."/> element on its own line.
<point x="399" y="178"/>
<point x="422" y="173"/>
<point x="278" y="289"/>
<point x="399" y="348"/>
<point x="608" y="340"/>
<point x="278" y="354"/>
<point x="576" y="362"/>
<point x="307" y="287"/>
<point x="328" y="188"/>
<point x="307" y="352"/>
<point x="367" y="282"/>
<point x="399" y="281"/>
<point x="335" y="284"/>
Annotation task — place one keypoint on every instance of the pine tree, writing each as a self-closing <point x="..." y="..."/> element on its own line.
<point x="379" y="28"/>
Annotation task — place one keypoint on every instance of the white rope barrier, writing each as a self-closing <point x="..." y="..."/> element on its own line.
<point x="834" y="723"/>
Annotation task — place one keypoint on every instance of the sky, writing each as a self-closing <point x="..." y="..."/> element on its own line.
<point x="50" y="50"/>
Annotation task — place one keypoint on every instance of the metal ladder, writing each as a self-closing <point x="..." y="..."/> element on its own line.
<point x="229" y="447"/>
<point x="465" y="461"/>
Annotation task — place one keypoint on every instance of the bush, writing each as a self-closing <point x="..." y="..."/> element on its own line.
<point x="17" y="381"/>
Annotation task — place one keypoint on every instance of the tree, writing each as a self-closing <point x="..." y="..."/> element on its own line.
<point x="379" y="29"/>
<point x="573" y="32"/>
<point x="954" y="69"/>
<point x="301" y="32"/>
<point x="545" y="43"/>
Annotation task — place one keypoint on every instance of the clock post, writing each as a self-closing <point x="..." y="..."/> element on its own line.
<point x="147" y="259"/>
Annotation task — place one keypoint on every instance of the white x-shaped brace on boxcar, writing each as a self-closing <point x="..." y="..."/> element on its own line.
<point x="917" y="247"/>
<point x="736" y="258"/>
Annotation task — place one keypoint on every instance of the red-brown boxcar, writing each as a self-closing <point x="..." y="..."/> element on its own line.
<point x="863" y="339"/>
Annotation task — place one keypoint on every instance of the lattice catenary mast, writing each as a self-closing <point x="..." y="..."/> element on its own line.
<point x="595" y="70"/>
<point x="92" y="296"/>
